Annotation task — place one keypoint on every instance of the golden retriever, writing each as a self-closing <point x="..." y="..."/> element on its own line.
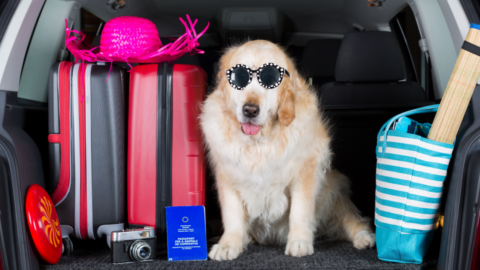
<point x="272" y="168"/>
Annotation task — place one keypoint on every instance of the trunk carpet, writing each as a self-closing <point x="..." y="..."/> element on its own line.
<point x="328" y="254"/>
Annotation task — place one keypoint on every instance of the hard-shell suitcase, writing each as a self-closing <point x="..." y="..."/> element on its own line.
<point x="87" y="148"/>
<point x="166" y="163"/>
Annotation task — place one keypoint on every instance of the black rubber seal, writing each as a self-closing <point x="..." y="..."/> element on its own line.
<point x="469" y="47"/>
<point x="472" y="9"/>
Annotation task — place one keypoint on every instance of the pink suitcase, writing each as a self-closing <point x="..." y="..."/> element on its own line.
<point x="166" y="161"/>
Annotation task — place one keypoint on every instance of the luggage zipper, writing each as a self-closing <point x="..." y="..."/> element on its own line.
<point x="164" y="147"/>
<point x="82" y="132"/>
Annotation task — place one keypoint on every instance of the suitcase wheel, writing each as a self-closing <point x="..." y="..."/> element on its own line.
<point x="67" y="246"/>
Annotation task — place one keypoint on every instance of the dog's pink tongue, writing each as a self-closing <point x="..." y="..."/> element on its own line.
<point x="250" y="129"/>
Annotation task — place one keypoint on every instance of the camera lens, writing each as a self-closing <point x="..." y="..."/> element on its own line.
<point x="140" y="250"/>
<point x="144" y="252"/>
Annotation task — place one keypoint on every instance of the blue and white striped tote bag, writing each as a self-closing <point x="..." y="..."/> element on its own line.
<point x="409" y="182"/>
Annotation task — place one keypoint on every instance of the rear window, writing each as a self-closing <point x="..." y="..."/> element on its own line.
<point x="7" y="8"/>
<point x="409" y="25"/>
<point x="90" y="23"/>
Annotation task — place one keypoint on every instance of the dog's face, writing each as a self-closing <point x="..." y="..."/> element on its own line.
<point x="256" y="106"/>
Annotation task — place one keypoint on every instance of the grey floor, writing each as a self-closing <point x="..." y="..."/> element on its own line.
<point x="328" y="255"/>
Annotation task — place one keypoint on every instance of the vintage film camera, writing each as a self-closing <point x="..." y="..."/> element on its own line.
<point x="132" y="245"/>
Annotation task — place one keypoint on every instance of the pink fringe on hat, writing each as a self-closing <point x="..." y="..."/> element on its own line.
<point x="135" y="40"/>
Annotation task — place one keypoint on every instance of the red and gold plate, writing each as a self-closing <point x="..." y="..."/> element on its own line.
<point x="44" y="225"/>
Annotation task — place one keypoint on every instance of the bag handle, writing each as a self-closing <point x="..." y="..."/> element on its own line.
<point x="388" y="124"/>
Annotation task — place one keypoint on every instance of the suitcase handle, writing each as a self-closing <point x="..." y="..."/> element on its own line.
<point x="386" y="127"/>
<point x="63" y="187"/>
<point x="54" y="138"/>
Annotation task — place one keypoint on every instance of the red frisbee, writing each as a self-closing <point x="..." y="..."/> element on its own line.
<point x="44" y="225"/>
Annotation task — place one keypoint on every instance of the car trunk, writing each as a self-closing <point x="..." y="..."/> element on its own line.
<point x="356" y="160"/>
<point x="25" y="156"/>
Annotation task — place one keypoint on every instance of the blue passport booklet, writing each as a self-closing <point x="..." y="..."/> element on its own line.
<point x="186" y="233"/>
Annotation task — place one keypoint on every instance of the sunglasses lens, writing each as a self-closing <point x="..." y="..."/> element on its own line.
<point x="240" y="77"/>
<point x="269" y="75"/>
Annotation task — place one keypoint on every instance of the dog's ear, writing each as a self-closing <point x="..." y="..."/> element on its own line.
<point x="286" y="104"/>
<point x="222" y="66"/>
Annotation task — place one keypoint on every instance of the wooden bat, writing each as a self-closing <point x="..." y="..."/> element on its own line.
<point x="459" y="90"/>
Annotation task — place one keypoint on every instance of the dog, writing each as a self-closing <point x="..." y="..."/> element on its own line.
<point x="269" y="148"/>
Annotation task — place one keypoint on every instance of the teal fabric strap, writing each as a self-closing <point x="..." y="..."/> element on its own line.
<point x="388" y="124"/>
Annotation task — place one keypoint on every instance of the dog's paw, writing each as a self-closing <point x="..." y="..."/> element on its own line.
<point x="222" y="252"/>
<point x="299" y="248"/>
<point x="363" y="240"/>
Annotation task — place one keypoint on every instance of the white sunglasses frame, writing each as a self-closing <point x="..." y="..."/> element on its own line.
<point x="281" y="70"/>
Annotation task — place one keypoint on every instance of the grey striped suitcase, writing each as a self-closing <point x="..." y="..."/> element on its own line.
<point x="87" y="148"/>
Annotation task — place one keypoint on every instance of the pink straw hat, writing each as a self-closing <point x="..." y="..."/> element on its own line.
<point x="135" y="40"/>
